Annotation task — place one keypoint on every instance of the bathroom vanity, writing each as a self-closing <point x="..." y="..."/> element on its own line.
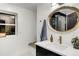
<point x="46" y="48"/>
<point x="62" y="27"/>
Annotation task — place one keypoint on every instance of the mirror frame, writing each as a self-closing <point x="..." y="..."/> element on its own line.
<point x="65" y="7"/>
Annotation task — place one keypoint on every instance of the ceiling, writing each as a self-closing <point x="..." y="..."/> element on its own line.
<point x="30" y="6"/>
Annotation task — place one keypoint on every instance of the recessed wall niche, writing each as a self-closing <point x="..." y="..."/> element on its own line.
<point x="7" y="23"/>
<point x="64" y="18"/>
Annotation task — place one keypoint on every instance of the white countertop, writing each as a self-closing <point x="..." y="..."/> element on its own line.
<point x="58" y="48"/>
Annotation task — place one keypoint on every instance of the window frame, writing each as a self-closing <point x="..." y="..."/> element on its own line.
<point x="16" y="20"/>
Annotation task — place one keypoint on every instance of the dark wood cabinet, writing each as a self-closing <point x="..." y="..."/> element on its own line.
<point x="44" y="52"/>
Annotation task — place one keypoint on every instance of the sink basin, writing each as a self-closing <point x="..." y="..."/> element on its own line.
<point x="60" y="47"/>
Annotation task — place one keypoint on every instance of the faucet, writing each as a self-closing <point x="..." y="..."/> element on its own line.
<point x="60" y="39"/>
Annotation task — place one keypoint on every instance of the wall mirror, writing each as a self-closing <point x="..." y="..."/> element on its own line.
<point x="64" y="18"/>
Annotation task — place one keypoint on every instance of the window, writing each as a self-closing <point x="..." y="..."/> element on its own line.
<point x="7" y="24"/>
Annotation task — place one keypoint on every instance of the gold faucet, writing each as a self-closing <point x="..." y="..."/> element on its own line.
<point x="60" y="39"/>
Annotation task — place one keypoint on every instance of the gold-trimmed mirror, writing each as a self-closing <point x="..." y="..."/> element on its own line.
<point x="64" y="18"/>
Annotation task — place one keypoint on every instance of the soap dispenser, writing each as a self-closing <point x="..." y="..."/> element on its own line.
<point x="51" y="39"/>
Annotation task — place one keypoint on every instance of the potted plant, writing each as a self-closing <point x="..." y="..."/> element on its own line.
<point x="75" y="42"/>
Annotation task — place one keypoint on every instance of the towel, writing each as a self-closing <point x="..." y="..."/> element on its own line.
<point x="43" y="35"/>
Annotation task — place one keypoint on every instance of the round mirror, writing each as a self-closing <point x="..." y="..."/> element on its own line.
<point x="64" y="18"/>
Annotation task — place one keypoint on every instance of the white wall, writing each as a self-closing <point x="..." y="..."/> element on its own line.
<point x="17" y="44"/>
<point x="42" y="13"/>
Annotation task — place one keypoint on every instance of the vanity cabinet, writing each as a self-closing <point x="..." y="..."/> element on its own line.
<point x="44" y="52"/>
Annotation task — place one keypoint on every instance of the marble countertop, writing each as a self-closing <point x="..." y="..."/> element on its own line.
<point x="58" y="48"/>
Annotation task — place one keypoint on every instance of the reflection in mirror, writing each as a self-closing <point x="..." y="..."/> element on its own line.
<point x="63" y="19"/>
